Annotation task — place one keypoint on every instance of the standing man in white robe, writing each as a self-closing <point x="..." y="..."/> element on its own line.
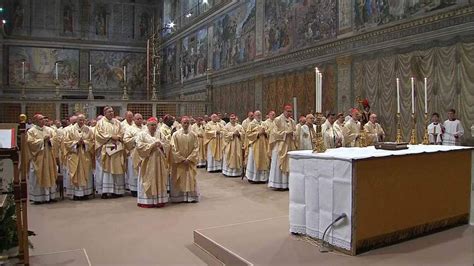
<point x="109" y="142"/>
<point x="332" y="138"/>
<point x="258" y="163"/>
<point x="232" y="163"/>
<point x="184" y="145"/>
<point x="42" y="164"/>
<point x="79" y="146"/>
<point x="435" y="130"/>
<point x="282" y="140"/>
<point x="374" y="131"/>
<point x="215" y="144"/>
<point x="133" y="159"/>
<point x="453" y="130"/>
<point x="307" y="134"/>
<point x="153" y="147"/>
<point x="198" y="130"/>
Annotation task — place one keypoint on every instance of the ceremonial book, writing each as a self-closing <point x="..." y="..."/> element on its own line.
<point x="112" y="149"/>
<point x="391" y="146"/>
<point x="7" y="138"/>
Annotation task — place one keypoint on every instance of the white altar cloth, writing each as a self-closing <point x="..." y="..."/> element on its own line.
<point x="320" y="187"/>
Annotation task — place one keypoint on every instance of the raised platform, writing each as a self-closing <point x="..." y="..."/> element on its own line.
<point x="268" y="242"/>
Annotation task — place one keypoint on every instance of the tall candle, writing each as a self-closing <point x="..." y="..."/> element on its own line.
<point x="23" y="70"/>
<point x="154" y="74"/>
<point x="316" y="85"/>
<point x="398" y="95"/>
<point x="320" y="93"/>
<point x="124" y="73"/>
<point x="90" y="72"/>
<point x="57" y="74"/>
<point x="426" y="95"/>
<point x="412" y="95"/>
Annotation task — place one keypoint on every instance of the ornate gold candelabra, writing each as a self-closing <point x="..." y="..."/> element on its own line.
<point x="57" y="92"/>
<point x="413" y="139"/>
<point x="320" y="147"/>
<point x="125" y="93"/>
<point x="362" y="137"/>
<point x="426" y="139"/>
<point x="90" y="95"/>
<point x="399" y="129"/>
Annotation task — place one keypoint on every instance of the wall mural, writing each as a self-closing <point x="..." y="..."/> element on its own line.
<point x="107" y="69"/>
<point x="194" y="55"/>
<point x="234" y="37"/>
<point x="293" y="24"/>
<point x="169" y="65"/>
<point x="40" y="66"/>
<point x="369" y="13"/>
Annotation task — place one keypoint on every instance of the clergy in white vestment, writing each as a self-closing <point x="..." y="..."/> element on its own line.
<point x="214" y="140"/>
<point x="232" y="160"/>
<point x="258" y="162"/>
<point x="61" y="149"/>
<point x="109" y="142"/>
<point x="453" y="130"/>
<point x="351" y="130"/>
<point x="128" y="121"/>
<point x="435" y="130"/>
<point x="79" y="144"/>
<point x="198" y="130"/>
<point x="42" y="164"/>
<point x="339" y="124"/>
<point x="152" y="147"/>
<point x="301" y="122"/>
<point x="184" y="146"/>
<point x="245" y="125"/>
<point x="374" y="131"/>
<point x="307" y="134"/>
<point x="332" y="137"/>
<point x="282" y="140"/>
<point x="133" y="160"/>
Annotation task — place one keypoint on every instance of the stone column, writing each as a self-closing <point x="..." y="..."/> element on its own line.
<point x="258" y="93"/>
<point x="344" y="80"/>
<point x="259" y="25"/>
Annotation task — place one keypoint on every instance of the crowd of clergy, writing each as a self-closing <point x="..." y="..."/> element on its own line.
<point x="156" y="160"/>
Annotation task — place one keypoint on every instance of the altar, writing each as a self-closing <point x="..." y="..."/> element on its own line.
<point x="388" y="196"/>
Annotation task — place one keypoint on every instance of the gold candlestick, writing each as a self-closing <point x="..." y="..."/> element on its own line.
<point x="399" y="129"/>
<point x="320" y="147"/>
<point x="57" y="83"/>
<point x="362" y="137"/>
<point x="125" y="93"/>
<point x="426" y="139"/>
<point x="90" y="95"/>
<point x="413" y="139"/>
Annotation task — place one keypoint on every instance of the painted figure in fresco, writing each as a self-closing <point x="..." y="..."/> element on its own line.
<point x="101" y="20"/>
<point x="18" y="15"/>
<point x="360" y="15"/>
<point x="144" y="24"/>
<point x="67" y="18"/>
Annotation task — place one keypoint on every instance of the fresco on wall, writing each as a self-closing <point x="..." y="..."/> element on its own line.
<point x="292" y="24"/>
<point x="40" y="66"/>
<point x="369" y="13"/>
<point x="234" y="37"/>
<point x="68" y="17"/>
<point x="194" y="55"/>
<point x="169" y="64"/>
<point x="107" y="69"/>
<point x="99" y="19"/>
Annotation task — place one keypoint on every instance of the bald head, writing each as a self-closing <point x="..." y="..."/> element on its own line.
<point x="138" y="119"/>
<point x="129" y="116"/>
<point x="73" y="119"/>
<point x="81" y="119"/>
<point x="258" y="115"/>
<point x="373" y="118"/>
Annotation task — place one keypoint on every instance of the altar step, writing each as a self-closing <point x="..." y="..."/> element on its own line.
<point x="268" y="242"/>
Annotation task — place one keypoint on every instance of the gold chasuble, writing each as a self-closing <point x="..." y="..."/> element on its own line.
<point x="351" y="132"/>
<point x="184" y="146"/>
<point x="153" y="170"/>
<point x="282" y="141"/>
<point x="199" y="131"/>
<point x="259" y="143"/>
<point x="79" y="156"/>
<point x="129" y="140"/>
<point x="112" y="153"/>
<point x="214" y="141"/>
<point x="374" y="132"/>
<point x="42" y="155"/>
<point x="233" y="145"/>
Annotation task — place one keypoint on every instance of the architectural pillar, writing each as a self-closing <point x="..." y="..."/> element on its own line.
<point x="259" y="93"/>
